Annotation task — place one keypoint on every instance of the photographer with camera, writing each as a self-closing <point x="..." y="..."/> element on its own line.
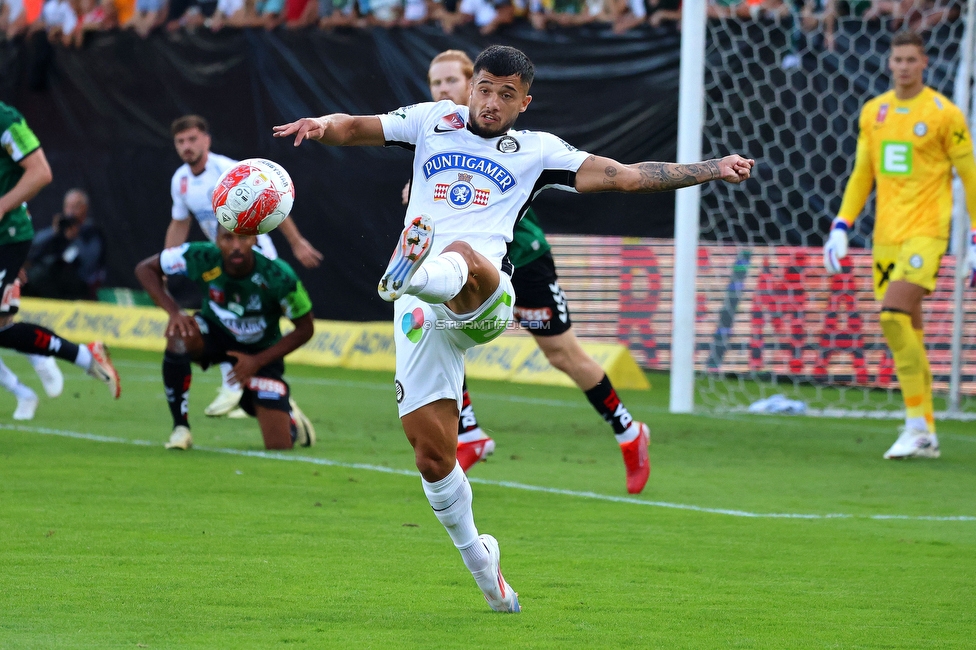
<point x="67" y="260"/>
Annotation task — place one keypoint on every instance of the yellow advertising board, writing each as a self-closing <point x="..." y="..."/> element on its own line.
<point x="360" y="346"/>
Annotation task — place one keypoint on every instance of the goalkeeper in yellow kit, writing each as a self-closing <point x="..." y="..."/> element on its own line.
<point x="910" y="139"/>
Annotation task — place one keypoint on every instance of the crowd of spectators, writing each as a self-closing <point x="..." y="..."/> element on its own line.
<point x="67" y="21"/>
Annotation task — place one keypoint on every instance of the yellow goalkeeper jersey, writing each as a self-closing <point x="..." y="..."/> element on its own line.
<point x="908" y="148"/>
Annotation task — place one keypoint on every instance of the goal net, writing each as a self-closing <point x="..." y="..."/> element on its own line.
<point x="770" y="320"/>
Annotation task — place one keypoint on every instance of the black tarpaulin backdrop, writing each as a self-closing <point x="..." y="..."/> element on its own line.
<point x="103" y="112"/>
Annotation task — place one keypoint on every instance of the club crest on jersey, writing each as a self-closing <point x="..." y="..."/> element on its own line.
<point x="216" y="294"/>
<point x="254" y="302"/>
<point x="183" y="183"/>
<point x="461" y="193"/>
<point x="467" y="163"/>
<point x="508" y="144"/>
<point x="449" y="123"/>
<point x="920" y="129"/>
<point x="882" y="113"/>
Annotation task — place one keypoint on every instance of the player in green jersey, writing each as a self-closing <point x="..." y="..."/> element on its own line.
<point x="24" y="171"/>
<point x="541" y="307"/>
<point x="245" y="296"/>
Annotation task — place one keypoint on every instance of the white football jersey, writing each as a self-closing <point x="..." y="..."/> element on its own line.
<point x="475" y="188"/>
<point x="193" y="194"/>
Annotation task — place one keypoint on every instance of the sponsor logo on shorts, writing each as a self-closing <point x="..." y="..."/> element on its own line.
<point x="916" y="261"/>
<point x="399" y="390"/>
<point x="508" y="144"/>
<point x="272" y="387"/>
<point x="536" y="314"/>
<point x="414" y="325"/>
<point x="920" y="129"/>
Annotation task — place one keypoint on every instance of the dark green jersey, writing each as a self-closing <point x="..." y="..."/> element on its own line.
<point x="18" y="142"/>
<point x="528" y="241"/>
<point x="248" y="309"/>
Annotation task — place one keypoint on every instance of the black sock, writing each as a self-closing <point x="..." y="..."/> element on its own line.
<point x="604" y="399"/>
<point x="467" y="422"/>
<point x="176" y="380"/>
<point x="34" y="339"/>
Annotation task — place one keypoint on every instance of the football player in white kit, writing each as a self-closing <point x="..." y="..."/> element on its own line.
<point x="192" y="188"/>
<point x="473" y="177"/>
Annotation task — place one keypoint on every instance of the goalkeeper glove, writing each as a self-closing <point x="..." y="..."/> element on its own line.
<point x="836" y="247"/>
<point x="971" y="258"/>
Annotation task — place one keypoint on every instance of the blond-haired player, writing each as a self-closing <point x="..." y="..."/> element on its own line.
<point x="910" y="139"/>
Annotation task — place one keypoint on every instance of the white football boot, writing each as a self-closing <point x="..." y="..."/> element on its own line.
<point x="914" y="443"/>
<point x="26" y="405"/>
<point x="48" y="372"/>
<point x="305" y="432"/>
<point x="180" y="438"/>
<point x="410" y="253"/>
<point x="238" y="414"/>
<point x="499" y="594"/>
<point x="226" y="401"/>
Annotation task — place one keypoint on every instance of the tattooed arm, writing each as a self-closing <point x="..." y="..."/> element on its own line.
<point x="598" y="174"/>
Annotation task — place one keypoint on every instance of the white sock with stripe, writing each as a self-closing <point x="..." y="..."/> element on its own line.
<point x="450" y="499"/>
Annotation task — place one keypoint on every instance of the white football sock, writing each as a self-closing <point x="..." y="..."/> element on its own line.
<point x="10" y="381"/>
<point x="450" y="499"/>
<point x="440" y="278"/>
<point x="37" y="359"/>
<point x="630" y="433"/>
<point x="472" y="436"/>
<point x="84" y="358"/>
<point x="225" y="369"/>
<point x="918" y="424"/>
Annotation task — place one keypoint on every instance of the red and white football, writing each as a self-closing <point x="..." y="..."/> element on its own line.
<point x="253" y="197"/>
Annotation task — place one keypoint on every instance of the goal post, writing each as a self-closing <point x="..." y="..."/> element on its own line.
<point x="691" y="104"/>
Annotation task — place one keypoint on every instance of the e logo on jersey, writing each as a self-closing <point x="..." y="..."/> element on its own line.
<point x="461" y="193"/>
<point x="896" y="158"/>
<point x="466" y="163"/>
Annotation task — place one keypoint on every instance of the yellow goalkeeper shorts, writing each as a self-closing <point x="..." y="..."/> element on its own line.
<point x="915" y="260"/>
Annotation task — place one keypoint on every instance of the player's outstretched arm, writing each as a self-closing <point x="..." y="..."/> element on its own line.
<point x="599" y="174"/>
<point x="150" y="274"/>
<point x="337" y="129"/>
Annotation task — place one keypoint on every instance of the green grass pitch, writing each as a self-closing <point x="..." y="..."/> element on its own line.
<point x="106" y="543"/>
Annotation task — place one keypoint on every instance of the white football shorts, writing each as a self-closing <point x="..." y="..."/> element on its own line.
<point x="431" y="341"/>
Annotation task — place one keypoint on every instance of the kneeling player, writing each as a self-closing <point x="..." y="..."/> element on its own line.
<point x="246" y="294"/>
